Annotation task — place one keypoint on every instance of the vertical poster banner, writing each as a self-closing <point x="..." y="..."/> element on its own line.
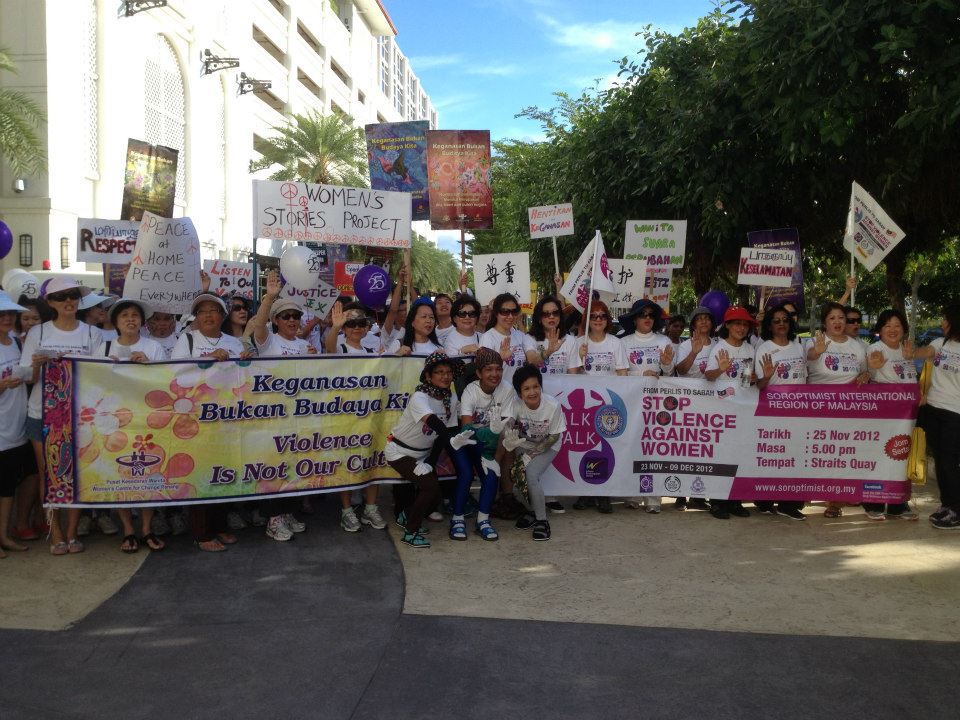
<point x="114" y="278"/>
<point x="230" y="279"/>
<point x="397" y="155"/>
<point x="657" y="285"/>
<point x="782" y="239"/>
<point x="502" y="273"/>
<point x="149" y="181"/>
<point x="662" y="243"/>
<point x="458" y="169"/>
<point x="629" y="278"/>
<point x="871" y="233"/>
<point x="165" y="269"/>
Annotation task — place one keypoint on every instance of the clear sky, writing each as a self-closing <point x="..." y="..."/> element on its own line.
<point x="483" y="61"/>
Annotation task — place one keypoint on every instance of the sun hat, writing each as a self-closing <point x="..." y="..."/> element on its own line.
<point x="207" y="297"/>
<point x="60" y="283"/>
<point x="738" y="312"/>
<point x="6" y="304"/>
<point x="120" y="303"/>
<point x="628" y="320"/>
<point x="285" y="304"/>
<point x="700" y="310"/>
<point x="434" y="359"/>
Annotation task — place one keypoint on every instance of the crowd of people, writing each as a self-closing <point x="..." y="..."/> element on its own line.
<point x="479" y="402"/>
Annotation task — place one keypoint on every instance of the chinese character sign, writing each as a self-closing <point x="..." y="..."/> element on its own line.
<point x="628" y="278"/>
<point x="500" y="273"/>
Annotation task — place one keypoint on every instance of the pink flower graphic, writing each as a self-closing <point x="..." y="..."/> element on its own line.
<point x="180" y="405"/>
<point x="99" y="419"/>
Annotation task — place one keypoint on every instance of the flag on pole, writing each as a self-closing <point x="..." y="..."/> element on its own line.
<point x="871" y="234"/>
<point x="590" y="271"/>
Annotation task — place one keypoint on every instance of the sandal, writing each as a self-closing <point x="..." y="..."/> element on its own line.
<point x="485" y="530"/>
<point x="833" y="512"/>
<point x="14" y="546"/>
<point x="129" y="544"/>
<point x="153" y="542"/>
<point x="211" y="545"/>
<point x="59" y="548"/>
<point x="458" y="530"/>
<point x="75" y="546"/>
<point x="227" y="538"/>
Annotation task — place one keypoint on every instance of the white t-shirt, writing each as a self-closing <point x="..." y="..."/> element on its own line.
<point x="278" y="346"/>
<point x="344" y="349"/>
<point x="896" y="369"/>
<point x="643" y="353"/>
<point x="454" y="341"/>
<point x="479" y="406"/>
<point x="13" y="401"/>
<point x="82" y="340"/>
<point x="604" y="357"/>
<point x="167" y="343"/>
<point x="371" y="340"/>
<point x="741" y="363"/>
<point x="546" y="420"/>
<point x="841" y="363"/>
<point x="413" y="432"/>
<point x="790" y="362"/>
<point x="423" y="349"/>
<point x="944" y="390"/>
<point x="151" y="348"/>
<point x="443" y="333"/>
<point x="562" y="359"/>
<point x="699" y="365"/>
<point x="519" y="344"/>
<point x="108" y="334"/>
<point x="202" y="345"/>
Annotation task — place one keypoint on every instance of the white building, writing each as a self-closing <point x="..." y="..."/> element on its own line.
<point x="103" y="77"/>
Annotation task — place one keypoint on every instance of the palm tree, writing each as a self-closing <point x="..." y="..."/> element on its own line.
<point x="20" y="145"/>
<point x="315" y="148"/>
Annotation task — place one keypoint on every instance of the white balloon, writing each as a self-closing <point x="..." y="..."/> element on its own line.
<point x="9" y="274"/>
<point x="300" y="266"/>
<point x="21" y="283"/>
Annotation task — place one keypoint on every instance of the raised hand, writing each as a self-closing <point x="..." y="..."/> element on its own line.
<point x="908" y="351"/>
<point x="505" y="350"/>
<point x="666" y="355"/>
<point x="876" y="360"/>
<point x="768" y="366"/>
<point x="204" y="281"/>
<point x="723" y="360"/>
<point x="337" y="316"/>
<point x="851" y="282"/>
<point x="820" y="343"/>
<point x="273" y="283"/>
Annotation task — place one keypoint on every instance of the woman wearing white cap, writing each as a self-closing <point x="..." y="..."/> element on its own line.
<point x="64" y="335"/>
<point x="16" y="455"/>
<point x="127" y="316"/>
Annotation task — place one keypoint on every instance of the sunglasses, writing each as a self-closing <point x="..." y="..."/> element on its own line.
<point x="238" y="308"/>
<point x="646" y="315"/>
<point x="853" y="321"/>
<point x="355" y="323"/>
<point x="508" y="311"/>
<point x="292" y="315"/>
<point x="598" y="316"/>
<point x="778" y="320"/>
<point x="467" y="314"/>
<point x="550" y="313"/>
<point x="64" y="296"/>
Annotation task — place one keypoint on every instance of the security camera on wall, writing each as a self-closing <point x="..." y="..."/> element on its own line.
<point x="19" y="185"/>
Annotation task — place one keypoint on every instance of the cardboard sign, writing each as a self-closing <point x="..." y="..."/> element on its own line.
<point x="629" y="277"/>
<point x="106" y="241"/>
<point x="657" y="286"/>
<point x="871" y="233"/>
<point x="502" y="273"/>
<point x="662" y="243"/>
<point x="343" y="273"/>
<point x="298" y="211"/>
<point x="234" y="279"/>
<point x="766" y="267"/>
<point x="318" y="300"/>
<point x="165" y="267"/>
<point x="782" y="239"/>
<point x="550" y="220"/>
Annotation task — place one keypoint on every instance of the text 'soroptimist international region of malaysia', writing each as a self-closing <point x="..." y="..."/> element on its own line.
<point x="180" y="432"/>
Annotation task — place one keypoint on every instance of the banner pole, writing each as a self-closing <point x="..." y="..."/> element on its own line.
<point x="256" y="284"/>
<point x="556" y="262"/>
<point x="593" y="270"/>
<point x="853" y="290"/>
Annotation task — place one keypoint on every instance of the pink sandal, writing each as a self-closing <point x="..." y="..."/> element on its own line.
<point x="59" y="548"/>
<point x="75" y="546"/>
<point x="211" y="546"/>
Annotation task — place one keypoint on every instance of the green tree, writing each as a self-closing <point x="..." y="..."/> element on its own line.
<point x="20" y="118"/>
<point x="316" y="148"/>
<point x="434" y="270"/>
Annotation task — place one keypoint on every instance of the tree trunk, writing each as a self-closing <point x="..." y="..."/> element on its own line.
<point x="896" y="263"/>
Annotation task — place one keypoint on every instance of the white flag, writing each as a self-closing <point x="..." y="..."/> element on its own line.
<point x="871" y="233"/>
<point x="592" y="269"/>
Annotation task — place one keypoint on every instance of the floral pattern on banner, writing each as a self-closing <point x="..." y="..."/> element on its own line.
<point x="58" y="431"/>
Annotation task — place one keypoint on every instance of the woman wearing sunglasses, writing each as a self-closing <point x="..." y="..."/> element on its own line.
<point x="64" y="335"/>
<point x="501" y="336"/>
<point x="419" y="331"/>
<point x="464" y="340"/>
<point x="557" y="350"/>
<point x="648" y="351"/>
<point x="285" y="316"/>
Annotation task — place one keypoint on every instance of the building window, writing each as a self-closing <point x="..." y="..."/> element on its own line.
<point x="164" y="118"/>
<point x="278" y="6"/>
<point x="361" y="97"/>
<point x="424" y="114"/>
<point x="308" y="82"/>
<point x="399" y="82"/>
<point x="337" y="109"/>
<point x="412" y="93"/>
<point x="90" y="89"/>
<point x="267" y="44"/>
<point x="309" y="39"/>
<point x="381" y="118"/>
<point x="339" y="72"/>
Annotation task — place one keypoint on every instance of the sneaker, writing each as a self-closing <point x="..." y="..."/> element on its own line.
<point x="653" y="509"/>
<point x="697" y="504"/>
<point x="278" y="529"/>
<point x="950" y="521"/>
<point x="739" y="510"/>
<point x="525" y="522"/>
<point x="541" y="530"/>
<point x="556" y="507"/>
<point x="877" y="515"/>
<point x="234" y="521"/>
<point x="792" y="513"/>
<point x="348" y="520"/>
<point x="178" y="522"/>
<point x="371" y="516"/>
<point x="85" y="525"/>
<point x="938" y="514"/>
<point x="257" y="519"/>
<point x="582" y="503"/>
<point x="291" y="522"/>
<point x="719" y="512"/>
<point x="908" y="514"/>
<point x="106" y="524"/>
<point x="402" y="522"/>
<point x="765" y="508"/>
<point x="458" y="530"/>
<point x="415" y="540"/>
<point x="435" y="516"/>
<point x="680" y="504"/>
<point x="604" y="505"/>
<point x="159" y="524"/>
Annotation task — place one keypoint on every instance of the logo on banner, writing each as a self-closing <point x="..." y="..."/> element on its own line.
<point x="594" y="468"/>
<point x="697" y="487"/>
<point x="610" y="421"/>
<point x="593" y="417"/>
<point x="873" y="486"/>
<point x="646" y="483"/>
<point x="672" y="484"/>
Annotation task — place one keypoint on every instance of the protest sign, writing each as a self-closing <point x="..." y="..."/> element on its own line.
<point x="679" y="437"/>
<point x="115" y="277"/>
<point x="871" y="233"/>
<point x="662" y="243"/>
<point x="165" y="267"/>
<point x="591" y="271"/>
<point x="766" y="268"/>
<point x="550" y="221"/>
<point x="149" y="180"/>
<point x="782" y="239"/>
<point x="106" y="241"/>
<point x="229" y="278"/>
<point x="657" y="285"/>
<point x="296" y="211"/>
<point x="343" y="273"/>
<point x="397" y="155"/>
<point x="458" y="168"/>
<point x="629" y="278"/>
<point x="502" y="273"/>
<point x="318" y="300"/>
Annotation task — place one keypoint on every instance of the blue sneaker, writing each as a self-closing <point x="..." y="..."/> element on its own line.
<point x="458" y="530"/>
<point x="415" y="540"/>
<point x="485" y="530"/>
<point x="402" y="523"/>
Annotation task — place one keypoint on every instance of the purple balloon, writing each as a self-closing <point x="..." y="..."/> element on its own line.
<point x="717" y="302"/>
<point x="6" y="239"/>
<point x="371" y="285"/>
<point x="43" y="287"/>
